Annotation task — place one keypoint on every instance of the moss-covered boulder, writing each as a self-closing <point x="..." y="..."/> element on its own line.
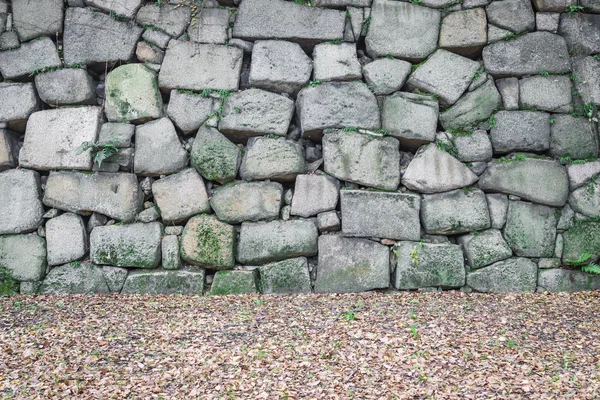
<point x="420" y="265"/>
<point x="287" y="276"/>
<point x="208" y="242"/>
<point x="512" y="275"/>
<point x="132" y="94"/>
<point x="564" y="280"/>
<point x="214" y="156"/>
<point x="484" y="248"/>
<point x="581" y="241"/>
<point x="24" y="256"/>
<point x="233" y="282"/>
<point x="181" y="281"/>
<point x="531" y="229"/>
<point x="134" y="245"/>
<point x="75" y="278"/>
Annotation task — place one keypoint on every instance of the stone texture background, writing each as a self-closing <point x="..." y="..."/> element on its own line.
<point x="299" y="146"/>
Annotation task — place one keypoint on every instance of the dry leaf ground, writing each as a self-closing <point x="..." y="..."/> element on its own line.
<point x="408" y="346"/>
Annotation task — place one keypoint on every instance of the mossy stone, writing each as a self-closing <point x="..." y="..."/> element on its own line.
<point x="581" y="239"/>
<point x="208" y="242"/>
<point x="181" y="281"/>
<point x="214" y="156"/>
<point x="287" y="276"/>
<point x="233" y="282"/>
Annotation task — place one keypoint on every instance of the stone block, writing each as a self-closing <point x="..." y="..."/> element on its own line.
<point x="114" y="277"/>
<point x="546" y="93"/>
<point x="24" y="256"/>
<point x="509" y="90"/>
<point x="66" y="239"/>
<point x="214" y="156"/>
<point x="20" y="207"/>
<point x="117" y="133"/>
<point x="75" y="278"/>
<point x="208" y="242"/>
<point x="581" y="32"/>
<point x="124" y="8"/>
<point x="411" y="118"/>
<point x="211" y="26"/>
<point x="498" y="206"/>
<point x="576" y="138"/>
<point x="180" y="196"/>
<point x="472" y="108"/>
<point x="237" y="202"/>
<point x="587" y="72"/>
<point x="512" y="275"/>
<point x="457" y="211"/>
<point x="8" y="149"/>
<point x="336" y="62"/>
<point x="28" y="59"/>
<point x="69" y="86"/>
<point x="17" y="102"/>
<point x="464" y="32"/>
<point x="328" y="221"/>
<point x="564" y="280"/>
<point x="530" y="229"/>
<point x="516" y="16"/>
<point x="545" y="21"/>
<point x="32" y="19"/>
<point x="520" y="131"/>
<point x="474" y="147"/>
<point x="189" y="111"/>
<point x="233" y="282"/>
<point x="170" y="252"/>
<point x="173" y="19"/>
<point x="314" y="194"/>
<point x="276" y="159"/>
<point x="484" y="248"/>
<point x="157" y="149"/>
<point x="385" y="75"/>
<point x="188" y="281"/>
<point x="287" y="276"/>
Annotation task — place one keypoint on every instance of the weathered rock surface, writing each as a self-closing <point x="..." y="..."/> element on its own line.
<point x="75" y="278"/>
<point x="376" y="165"/>
<point x="382" y="215"/>
<point x="581" y="241"/>
<point x="114" y="277"/>
<point x="520" y="131"/>
<point x="267" y="19"/>
<point x="472" y="108"/>
<point x="314" y="194"/>
<point x="512" y="275"/>
<point x="287" y="276"/>
<point x="132" y="95"/>
<point x="157" y="149"/>
<point x="586" y="199"/>
<point x="20" y="207"/>
<point x="53" y="138"/>
<point x="8" y="150"/>
<point x="351" y="265"/>
<point x="237" y="202"/>
<point x="116" y="195"/>
<point x="403" y="30"/>
<point x="66" y="239"/>
<point x="17" y="102"/>
<point x="233" y="282"/>
<point x="169" y="18"/>
<point x="193" y="66"/>
<point x="189" y="111"/>
<point x="464" y="32"/>
<point x="68" y="86"/>
<point x="588" y="84"/>
<point x="37" y="18"/>
<point x="170" y="252"/>
<point x="581" y="31"/>
<point x="29" y="58"/>
<point x="474" y="147"/>
<point x="255" y="112"/>
<point x="385" y="75"/>
<point x="269" y="158"/>
<point x="93" y="37"/>
<point x="263" y="242"/>
<point x="527" y="55"/>
<point x="181" y="281"/>
<point x="538" y="180"/>
<point x="498" y="205"/>
<point x="125" y="8"/>
<point x="214" y="156"/>
<point x="433" y="170"/>
<point x="576" y="138"/>
<point x="211" y="26"/>
<point x="208" y="242"/>
<point x="551" y="93"/>
<point x="564" y="280"/>
<point x="180" y="196"/>
<point x="530" y="229"/>
<point x="336" y="62"/>
<point x="24" y="256"/>
<point x="581" y="173"/>
<point x="485" y="248"/>
<point x="134" y="245"/>
<point x="336" y="105"/>
<point x="428" y="265"/>
<point x="279" y="66"/>
<point x="453" y="212"/>
<point x="515" y="15"/>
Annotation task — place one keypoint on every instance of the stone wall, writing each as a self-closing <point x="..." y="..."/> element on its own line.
<point x="273" y="146"/>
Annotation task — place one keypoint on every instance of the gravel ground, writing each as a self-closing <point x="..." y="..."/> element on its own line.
<point x="447" y="345"/>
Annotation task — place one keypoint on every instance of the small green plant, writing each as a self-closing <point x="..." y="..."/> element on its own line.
<point x="516" y="157"/>
<point x="511" y="343"/>
<point x="588" y="112"/>
<point x="100" y="151"/>
<point x="349" y="316"/>
<point x="366" y="25"/>
<point x="544" y="74"/>
<point x="513" y="36"/>
<point x="591" y="268"/>
<point x="8" y="284"/>
<point x="574" y="9"/>
<point x="597" y="57"/>
<point x="350" y="129"/>
<point x="315" y="83"/>
<point x="412" y="314"/>
<point x="414" y="332"/>
<point x="414" y="253"/>
<point x="552" y="121"/>
<point x="237" y="110"/>
<point x="416" y="2"/>
<point x="336" y="41"/>
<point x="390" y="56"/>
<point x="492" y="122"/>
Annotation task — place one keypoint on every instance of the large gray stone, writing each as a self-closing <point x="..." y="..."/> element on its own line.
<point x="124" y="8"/>
<point x="586" y="199"/>
<point x="29" y="58"/>
<point x="37" y="18"/>
<point x="375" y="165"/>
<point x="420" y="265"/>
<point x="498" y="205"/>
<point x="473" y="147"/>
<point x="134" y="245"/>
<point x="267" y="19"/>
<point x="336" y="105"/>
<point x="180" y="196"/>
<point x="66" y="239"/>
<point x="385" y="75"/>
<point x="169" y="18"/>
<point x="444" y="74"/>
<point x="464" y="32"/>
<point x="553" y="5"/>
<point x="587" y="72"/>
<point x="189" y="65"/>
<point x="551" y="93"/>
<point x="170" y="252"/>
<point x="403" y="30"/>
<point x="75" y="278"/>
<point x="581" y="241"/>
<point x="516" y="16"/>
<point x="484" y="248"/>
<point x="117" y="133"/>
<point x="53" y="138"/>
<point x="433" y="170"/>
<point x="66" y="87"/>
<point x="211" y="26"/>
<point x="581" y="31"/>
<point x="269" y="158"/>
<point x="93" y="37"/>
<point x="590" y="6"/>
<point x="564" y="280"/>
<point x="20" y="207"/>
<point x="343" y="3"/>
<point x="473" y="108"/>
<point x="453" y="212"/>
<point x="576" y="138"/>
<point x="351" y="265"/>
<point x="509" y="89"/>
<point x="255" y="112"/>
<point x="411" y="118"/>
<point x="287" y="276"/>
<point x="520" y="131"/>
<point x="8" y="149"/>
<point x="24" y="256"/>
<point x="527" y="55"/>
<point x="132" y="95"/>
<point x="114" y="277"/>
<point x="314" y="194"/>
<point x="247" y="201"/>
<point x="336" y="62"/>
<point x="214" y="156"/>
<point x="263" y="242"/>
<point x="512" y="275"/>
<point x="581" y="173"/>
<point x="233" y="283"/>
<point x="208" y="242"/>
<point x="157" y="149"/>
<point x="17" y="102"/>
<point x="382" y="215"/>
<point x="181" y="281"/>
<point x="279" y="66"/>
<point x="189" y="111"/>
<point x="538" y="180"/>
<point x="116" y="195"/>
<point x="530" y="229"/>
